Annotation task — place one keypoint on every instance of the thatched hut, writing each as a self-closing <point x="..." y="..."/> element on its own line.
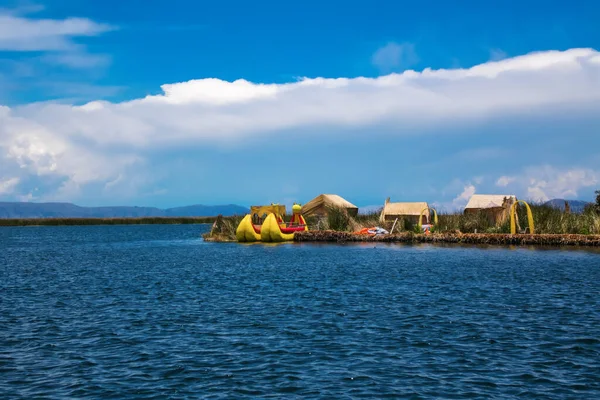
<point x="408" y="211"/>
<point x="319" y="206"/>
<point x="495" y="206"/>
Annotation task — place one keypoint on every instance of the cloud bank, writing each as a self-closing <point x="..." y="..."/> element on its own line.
<point x="546" y="182"/>
<point x="102" y="142"/>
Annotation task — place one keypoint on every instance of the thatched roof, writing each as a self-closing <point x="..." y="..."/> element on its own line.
<point x="327" y="200"/>
<point x="484" y="201"/>
<point x="404" y="208"/>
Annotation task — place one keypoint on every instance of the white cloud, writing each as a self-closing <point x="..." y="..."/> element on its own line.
<point x="462" y="199"/>
<point x="212" y="109"/>
<point x="497" y="55"/>
<point x="504" y="181"/>
<point x="544" y="183"/>
<point x="547" y="183"/>
<point x="79" y="60"/>
<point x="27" y="34"/>
<point x="26" y="197"/>
<point x="76" y="142"/>
<point x="35" y="150"/>
<point x="22" y="8"/>
<point x="393" y="56"/>
<point x="7" y="186"/>
<point x="215" y="92"/>
<point x="49" y="46"/>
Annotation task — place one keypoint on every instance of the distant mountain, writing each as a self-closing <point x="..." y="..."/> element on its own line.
<point x="370" y="209"/>
<point x="68" y="210"/>
<point x="575" y="205"/>
<point x="200" y="210"/>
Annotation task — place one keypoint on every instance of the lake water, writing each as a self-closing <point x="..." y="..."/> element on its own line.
<point x="155" y="312"/>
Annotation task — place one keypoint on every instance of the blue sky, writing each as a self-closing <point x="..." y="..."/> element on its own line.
<point x="171" y="103"/>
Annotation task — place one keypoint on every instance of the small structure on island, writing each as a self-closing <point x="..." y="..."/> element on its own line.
<point x="514" y="219"/>
<point x="495" y="206"/>
<point x="320" y="205"/>
<point x="408" y="211"/>
<point x="259" y="213"/>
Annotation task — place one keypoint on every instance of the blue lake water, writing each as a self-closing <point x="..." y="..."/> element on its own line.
<point x="155" y="312"/>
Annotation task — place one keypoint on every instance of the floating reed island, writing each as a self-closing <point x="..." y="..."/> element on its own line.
<point x="487" y="220"/>
<point x="456" y="238"/>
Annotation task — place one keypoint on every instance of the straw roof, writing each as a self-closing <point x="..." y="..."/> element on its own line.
<point x="484" y="201"/>
<point x="404" y="208"/>
<point x="327" y="200"/>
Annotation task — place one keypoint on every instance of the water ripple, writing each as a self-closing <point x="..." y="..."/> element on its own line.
<point x="155" y="312"/>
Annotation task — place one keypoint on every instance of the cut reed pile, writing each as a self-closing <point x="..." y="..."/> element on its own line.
<point x="223" y="229"/>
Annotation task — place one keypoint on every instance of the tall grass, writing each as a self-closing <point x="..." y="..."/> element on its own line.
<point x="552" y="220"/>
<point x="469" y="223"/>
<point x="365" y="221"/>
<point x="338" y="219"/>
<point x="546" y="219"/>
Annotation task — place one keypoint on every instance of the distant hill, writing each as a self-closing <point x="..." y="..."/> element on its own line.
<point x="370" y="209"/>
<point x="575" y="205"/>
<point x="69" y="210"/>
<point x="200" y="210"/>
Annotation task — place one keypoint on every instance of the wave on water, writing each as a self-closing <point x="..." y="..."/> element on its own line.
<point x="156" y="312"/>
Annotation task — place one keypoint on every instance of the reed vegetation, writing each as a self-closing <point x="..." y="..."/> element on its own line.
<point x="223" y="229"/>
<point x="338" y="219"/>
<point x="548" y="221"/>
<point x="104" y="221"/>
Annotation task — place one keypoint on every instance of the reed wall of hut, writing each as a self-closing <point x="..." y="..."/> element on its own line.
<point x="408" y="211"/>
<point x="495" y="207"/>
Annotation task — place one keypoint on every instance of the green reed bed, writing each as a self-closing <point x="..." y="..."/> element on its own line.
<point x="105" y="221"/>
<point x="547" y="220"/>
<point x="223" y="229"/>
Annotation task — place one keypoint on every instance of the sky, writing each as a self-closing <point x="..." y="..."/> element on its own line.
<point x="171" y="103"/>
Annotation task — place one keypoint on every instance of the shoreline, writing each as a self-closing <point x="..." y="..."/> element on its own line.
<point x="8" y="222"/>
<point x="453" y="238"/>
